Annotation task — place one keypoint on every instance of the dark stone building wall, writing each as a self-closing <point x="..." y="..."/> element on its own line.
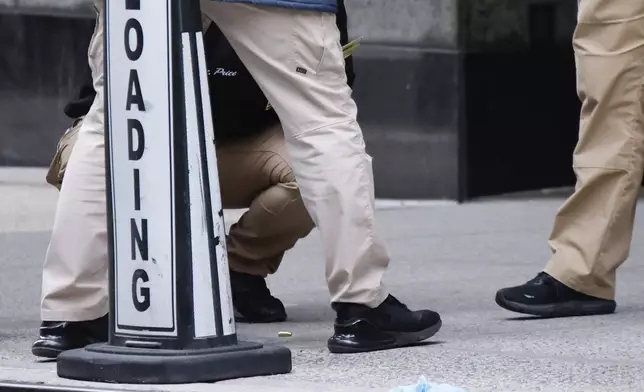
<point x="457" y="98"/>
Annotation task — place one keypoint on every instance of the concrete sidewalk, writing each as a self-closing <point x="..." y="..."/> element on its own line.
<point x="451" y="258"/>
<point x="28" y="203"/>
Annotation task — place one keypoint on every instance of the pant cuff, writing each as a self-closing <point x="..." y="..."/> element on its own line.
<point x="74" y="315"/>
<point x="379" y="299"/>
<point x="571" y="280"/>
<point x="371" y="301"/>
<point x="259" y="270"/>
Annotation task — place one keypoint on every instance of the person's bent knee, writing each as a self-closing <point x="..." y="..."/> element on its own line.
<point x="284" y="200"/>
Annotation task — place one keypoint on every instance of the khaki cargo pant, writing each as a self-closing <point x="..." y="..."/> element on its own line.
<point x="593" y="229"/>
<point x="254" y="173"/>
<point x="322" y="137"/>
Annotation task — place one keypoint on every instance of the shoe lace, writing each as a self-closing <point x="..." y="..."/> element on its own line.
<point x="393" y="301"/>
<point x="542" y="278"/>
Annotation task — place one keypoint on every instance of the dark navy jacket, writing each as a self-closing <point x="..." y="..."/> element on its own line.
<point x="314" y="5"/>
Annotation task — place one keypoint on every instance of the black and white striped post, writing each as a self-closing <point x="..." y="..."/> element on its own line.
<point x="171" y="314"/>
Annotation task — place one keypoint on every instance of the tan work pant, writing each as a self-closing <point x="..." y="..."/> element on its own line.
<point x="322" y="136"/>
<point x="254" y="173"/>
<point x="593" y="229"/>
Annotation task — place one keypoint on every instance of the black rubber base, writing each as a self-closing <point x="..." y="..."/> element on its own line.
<point x="115" y="364"/>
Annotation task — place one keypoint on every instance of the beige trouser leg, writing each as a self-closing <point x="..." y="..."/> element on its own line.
<point x="296" y="58"/>
<point x="254" y="173"/>
<point x="593" y="229"/>
<point x="75" y="277"/>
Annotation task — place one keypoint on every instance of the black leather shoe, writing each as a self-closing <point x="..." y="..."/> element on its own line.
<point x="59" y="336"/>
<point x="390" y="325"/>
<point x="253" y="301"/>
<point x="545" y="296"/>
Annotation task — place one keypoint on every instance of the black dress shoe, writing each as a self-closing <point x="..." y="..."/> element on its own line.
<point x="253" y="301"/>
<point x="547" y="297"/>
<point x="59" y="336"/>
<point x="390" y="325"/>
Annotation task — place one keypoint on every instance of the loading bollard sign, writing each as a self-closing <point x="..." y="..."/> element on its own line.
<point x="171" y="310"/>
<point x="142" y="167"/>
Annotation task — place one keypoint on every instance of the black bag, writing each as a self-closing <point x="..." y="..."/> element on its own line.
<point x="239" y="107"/>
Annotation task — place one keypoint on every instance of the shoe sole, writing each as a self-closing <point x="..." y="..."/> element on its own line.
<point x="402" y="339"/>
<point x="565" y="309"/>
<point x="44" y="352"/>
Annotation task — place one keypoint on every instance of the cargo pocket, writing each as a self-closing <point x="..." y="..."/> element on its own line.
<point x="316" y="47"/>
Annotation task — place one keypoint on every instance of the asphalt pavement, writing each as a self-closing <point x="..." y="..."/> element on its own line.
<point x="448" y="257"/>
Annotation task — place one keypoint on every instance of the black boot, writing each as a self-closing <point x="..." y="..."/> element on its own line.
<point x="547" y="297"/>
<point x="390" y="325"/>
<point x="253" y="301"/>
<point x="59" y="336"/>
